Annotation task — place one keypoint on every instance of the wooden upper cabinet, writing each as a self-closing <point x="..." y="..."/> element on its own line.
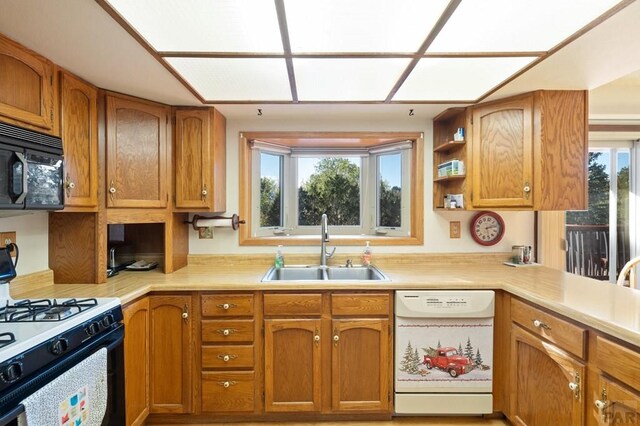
<point x="502" y="154"/>
<point x="27" y="88"/>
<point x="136" y="361"/>
<point x="171" y="341"/>
<point x="360" y="365"/>
<point x="200" y="160"/>
<point x="79" y="111"/>
<point x="292" y="365"/>
<point x="137" y="153"/>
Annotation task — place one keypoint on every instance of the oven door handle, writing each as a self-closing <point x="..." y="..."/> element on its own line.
<point x="11" y="415"/>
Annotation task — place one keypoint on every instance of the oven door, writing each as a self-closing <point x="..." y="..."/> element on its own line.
<point x="44" y="181"/>
<point x="10" y="400"/>
<point x="13" y="181"/>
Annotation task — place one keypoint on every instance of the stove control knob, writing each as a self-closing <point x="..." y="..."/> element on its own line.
<point x="92" y="328"/>
<point x="108" y="320"/>
<point x="11" y="373"/>
<point x="59" y="346"/>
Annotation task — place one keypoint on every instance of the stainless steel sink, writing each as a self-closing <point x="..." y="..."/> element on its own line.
<point x="324" y="273"/>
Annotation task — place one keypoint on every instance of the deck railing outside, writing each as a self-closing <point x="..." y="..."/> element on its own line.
<point x="588" y="250"/>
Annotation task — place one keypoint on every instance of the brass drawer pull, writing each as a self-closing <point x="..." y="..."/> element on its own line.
<point x="226" y="306"/>
<point x="226" y="331"/>
<point x="227" y="358"/>
<point x="540" y="324"/>
<point x="228" y="383"/>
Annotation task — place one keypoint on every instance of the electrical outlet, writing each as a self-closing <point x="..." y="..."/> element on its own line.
<point x="205" y="233"/>
<point x="454" y="229"/>
<point x="8" y="238"/>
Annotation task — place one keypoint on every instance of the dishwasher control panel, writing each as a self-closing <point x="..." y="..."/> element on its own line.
<point x="437" y="304"/>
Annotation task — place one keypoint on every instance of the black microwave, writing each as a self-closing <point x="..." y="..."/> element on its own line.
<point x="31" y="170"/>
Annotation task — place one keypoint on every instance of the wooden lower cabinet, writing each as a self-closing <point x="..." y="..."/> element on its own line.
<point x="228" y="391"/>
<point x="360" y="365"/>
<point x="136" y="361"/>
<point x="616" y="403"/>
<point x="292" y="364"/>
<point x="546" y="386"/>
<point x="171" y="343"/>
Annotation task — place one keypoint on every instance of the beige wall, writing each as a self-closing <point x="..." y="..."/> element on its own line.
<point x="32" y="236"/>
<point x="519" y="225"/>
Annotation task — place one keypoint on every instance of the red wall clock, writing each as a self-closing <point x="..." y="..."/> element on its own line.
<point x="487" y="228"/>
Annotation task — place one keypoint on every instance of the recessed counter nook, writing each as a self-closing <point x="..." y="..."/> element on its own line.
<point x="566" y="348"/>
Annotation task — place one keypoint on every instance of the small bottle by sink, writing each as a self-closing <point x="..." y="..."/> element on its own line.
<point x="279" y="260"/>
<point x="366" y="255"/>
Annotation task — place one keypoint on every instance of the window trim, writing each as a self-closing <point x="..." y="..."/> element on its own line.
<point x="331" y="140"/>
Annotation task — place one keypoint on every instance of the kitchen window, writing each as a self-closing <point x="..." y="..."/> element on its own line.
<point x="367" y="190"/>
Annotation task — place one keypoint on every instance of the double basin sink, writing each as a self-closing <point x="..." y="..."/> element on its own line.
<point x="324" y="273"/>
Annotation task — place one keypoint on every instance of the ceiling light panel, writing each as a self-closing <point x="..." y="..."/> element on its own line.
<point x="346" y="79"/>
<point x="235" y="79"/>
<point x="360" y="25"/>
<point x="204" y="25"/>
<point x="515" y="26"/>
<point x="457" y="79"/>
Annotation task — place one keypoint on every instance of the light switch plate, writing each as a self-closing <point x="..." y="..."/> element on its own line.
<point x="454" y="229"/>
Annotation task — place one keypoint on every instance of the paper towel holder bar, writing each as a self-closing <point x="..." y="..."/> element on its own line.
<point x="233" y="221"/>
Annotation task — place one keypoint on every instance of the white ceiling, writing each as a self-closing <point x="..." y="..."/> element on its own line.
<point x="80" y="36"/>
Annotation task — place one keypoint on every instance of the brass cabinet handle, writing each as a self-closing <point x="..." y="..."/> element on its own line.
<point x="575" y="385"/>
<point x="316" y="338"/>
<point x="227" y="383"/>
<point x="68" y="185"/>
<point x="226" y="331"/>
<point x="112" y="190"/>
<point x="602" y="403"/>
<point x="185" y="313"/>
<point x="226" y="306"/>
<point x="227" y="357"/>
<point x="336" y="339"/>
<point x="526" y="189"/>
<point x="540" y="324"/>
<point x="204" y="193"/>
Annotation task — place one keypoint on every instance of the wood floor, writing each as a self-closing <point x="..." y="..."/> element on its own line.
<point x="402" y="421"/>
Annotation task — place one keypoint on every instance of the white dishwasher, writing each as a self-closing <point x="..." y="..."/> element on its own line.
<point x="444" y="352"/>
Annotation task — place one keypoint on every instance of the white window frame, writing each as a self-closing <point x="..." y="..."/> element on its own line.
<point x="613" y="147"/>
<point x="369" y="182"/>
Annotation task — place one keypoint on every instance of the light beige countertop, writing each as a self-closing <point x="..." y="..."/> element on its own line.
<point x="606" y="307"/>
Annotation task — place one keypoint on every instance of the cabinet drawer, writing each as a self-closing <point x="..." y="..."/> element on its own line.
<point x="292" y="304"/>
<point x="360" y="304"/>
<point x="225" y="392"/>
<point x="565" y="335"/>
<point x="227" y="356"/>
<point x="217" y="331"/>
<point x="226" y="305"/>
<point x="618" y="361"/>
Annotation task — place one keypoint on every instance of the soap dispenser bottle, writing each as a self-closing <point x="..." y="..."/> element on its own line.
<point x="279" y="261"/>
<point x="366" y="255"/>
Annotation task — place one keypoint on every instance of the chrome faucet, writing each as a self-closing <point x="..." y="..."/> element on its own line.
<point x="324" y="239"/>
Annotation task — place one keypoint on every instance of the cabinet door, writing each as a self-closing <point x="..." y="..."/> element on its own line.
<point x="502" y="154"/>
<point x="80" y="140"/>
<point x="541" y="376"/>
<point x="200" y="160"/>
<point x="292" y="365"/>
<point x="136" y="153"/>
<point x="360" y="365"/>
<point x="192" y="159"/>
<point x="136" y="361"/>
<point x="616" y="405"/>
<point x="171" y="342"/>
<point x="26" y="87"/>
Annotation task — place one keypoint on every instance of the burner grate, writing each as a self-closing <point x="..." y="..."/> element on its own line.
<point x="6" y="339"/>
<point x="44" y="309"/>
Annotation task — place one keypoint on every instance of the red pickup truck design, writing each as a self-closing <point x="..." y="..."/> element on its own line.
<point x="447" y="359"/>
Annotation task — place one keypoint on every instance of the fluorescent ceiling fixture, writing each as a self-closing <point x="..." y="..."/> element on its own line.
<point x="347" y="79"/>
<point x="204" y="25"/>
<point x="236" y="79"/>
<point x="360" y="25"/>
<point x="515" y="25"/>
<point x="457" y="79"/>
